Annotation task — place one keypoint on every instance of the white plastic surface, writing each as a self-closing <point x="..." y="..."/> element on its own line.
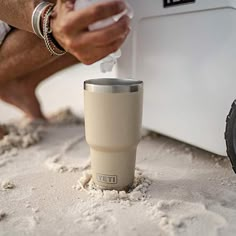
<point x="186" y="56"/>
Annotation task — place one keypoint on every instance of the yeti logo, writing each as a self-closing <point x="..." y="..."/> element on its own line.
<point x="169" y="3"/>
<point x="107" y="179"/>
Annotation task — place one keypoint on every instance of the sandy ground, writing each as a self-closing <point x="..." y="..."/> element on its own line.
<point x="192" y="192"/>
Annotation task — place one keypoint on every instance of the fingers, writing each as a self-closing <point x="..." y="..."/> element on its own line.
<point x="101" y="53"/>
<point x="107" y="35"/>
<point x="66" y="5"/>
<point x="65" y="1"/>
<point x="97" y="53"/>
<point x="96" y="12"/>
<point x="70" y="29"/>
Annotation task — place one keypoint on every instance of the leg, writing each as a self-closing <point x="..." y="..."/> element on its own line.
<point x="20" y="92"/>
<point x="24" y="63"/>
<point x="20" y="54"/>
<point x="22" y="67"/>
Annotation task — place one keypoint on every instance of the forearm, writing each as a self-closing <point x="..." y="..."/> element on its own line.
<point x="70" y="28"/>
<point x="18" y="12"/>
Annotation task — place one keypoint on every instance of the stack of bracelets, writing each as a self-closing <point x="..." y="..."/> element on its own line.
<point x="41" y="26"/>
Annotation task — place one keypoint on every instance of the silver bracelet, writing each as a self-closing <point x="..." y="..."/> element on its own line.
<point x="36" y="18"/>
<point x="48" y="38"/>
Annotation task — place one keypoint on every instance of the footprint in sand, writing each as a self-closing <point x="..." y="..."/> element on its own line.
<point x="179" y="218"/>
<point x="72" y="156"/>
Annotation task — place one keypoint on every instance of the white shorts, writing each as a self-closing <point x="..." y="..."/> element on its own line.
<point x="4" y="29"/>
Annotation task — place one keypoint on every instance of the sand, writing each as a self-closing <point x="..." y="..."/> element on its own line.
<point x="138" y="190"/>
<point x="184" y="191"/>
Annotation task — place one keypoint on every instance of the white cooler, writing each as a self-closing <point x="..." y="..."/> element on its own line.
<point x="185" y="52"/>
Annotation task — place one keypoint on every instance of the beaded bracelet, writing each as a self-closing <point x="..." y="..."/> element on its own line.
<point x="51" y="44"/>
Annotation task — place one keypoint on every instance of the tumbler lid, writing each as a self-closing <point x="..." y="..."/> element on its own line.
<point x="108" y="85"/>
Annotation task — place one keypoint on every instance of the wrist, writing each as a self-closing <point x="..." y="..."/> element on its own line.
<point x="37" y="17"/>
<point x="42" y="19"/>
<point x="51" y="43"/>
<point x="42" y="16"/>
<point x="51" y="25"/>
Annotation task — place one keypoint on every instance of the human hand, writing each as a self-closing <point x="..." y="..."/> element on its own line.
<point x="70" y="29"/>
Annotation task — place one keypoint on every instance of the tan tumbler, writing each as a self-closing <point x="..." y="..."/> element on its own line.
<point x="113" y="120"/>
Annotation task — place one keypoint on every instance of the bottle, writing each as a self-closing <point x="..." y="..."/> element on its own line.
<point x="107" y="63"/>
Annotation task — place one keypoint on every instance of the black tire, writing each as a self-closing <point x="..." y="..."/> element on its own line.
<point x="230" y="135"/>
